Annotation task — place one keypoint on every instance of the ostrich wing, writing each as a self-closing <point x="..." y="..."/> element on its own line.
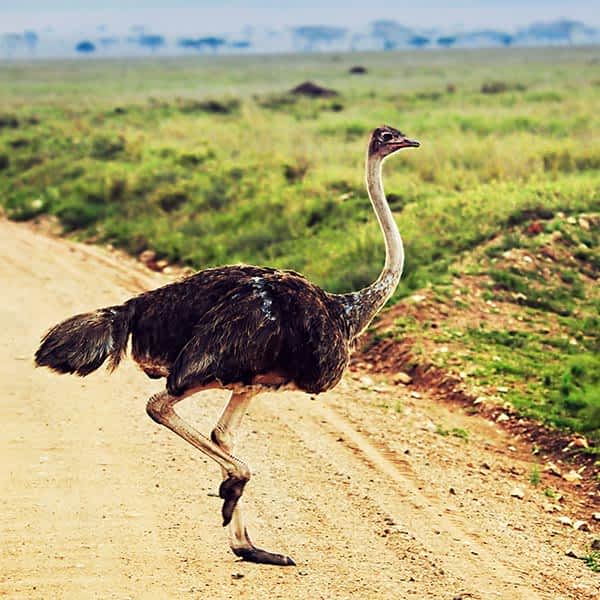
<point x="237" y="338"/>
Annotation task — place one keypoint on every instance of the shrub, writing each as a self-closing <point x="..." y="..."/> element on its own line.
<point x="8" y="121"/>
<point x="498" y="87"/>
<point x="75" y="214"/>
<point x="107" y="148"/>
<point x="222" y="107"/>
<point x="295" y="173"/>
<point x="172" y="200"/>
<point x="276" y="101"/>
<point x="20" y="206"/>
<point x="19" y="142"/>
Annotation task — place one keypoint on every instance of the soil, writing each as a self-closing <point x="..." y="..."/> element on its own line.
<point x="357" y="485"/>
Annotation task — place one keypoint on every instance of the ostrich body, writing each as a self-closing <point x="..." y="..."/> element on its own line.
<point x="243" y="328"/>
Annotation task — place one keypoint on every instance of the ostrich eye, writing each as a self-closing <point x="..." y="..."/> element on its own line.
<point x="386" y="136"/>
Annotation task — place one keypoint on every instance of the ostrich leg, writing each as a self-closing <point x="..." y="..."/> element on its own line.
<point x="160" y="409"/>
<point x="224" y="436"/>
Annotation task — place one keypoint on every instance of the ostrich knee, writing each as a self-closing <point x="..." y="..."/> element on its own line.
<point x="222" y="437"/>
<point x="159" y="407"/>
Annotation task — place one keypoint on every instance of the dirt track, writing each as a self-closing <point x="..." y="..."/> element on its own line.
<point x="99" y="502"/>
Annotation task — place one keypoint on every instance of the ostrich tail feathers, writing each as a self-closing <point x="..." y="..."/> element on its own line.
<point x="84" y="342"/>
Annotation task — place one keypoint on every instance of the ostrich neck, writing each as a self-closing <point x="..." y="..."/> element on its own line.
<point x="366" y="303"/>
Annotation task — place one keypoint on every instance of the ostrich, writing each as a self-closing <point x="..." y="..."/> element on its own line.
<point x="243" y="328"/>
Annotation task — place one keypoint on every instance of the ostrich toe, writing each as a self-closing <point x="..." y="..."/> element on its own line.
<point x="256" y="555"/>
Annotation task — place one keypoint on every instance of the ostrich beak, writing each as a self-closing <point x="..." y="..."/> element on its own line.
<point x="408" y="143"/>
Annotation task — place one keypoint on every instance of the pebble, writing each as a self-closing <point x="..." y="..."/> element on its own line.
<point x="147" y="256"/>
<point x="502" y="417"/>
<point x="596" y="516"/>
<point x="565" y="521"/>
<point x="580" y="442"/>
<point x="584" y="223"/>
<point x="581" y="526"/>
<point x="380" y="389"/>
<point x="518" y="493"/>
<point x="552" y="468"/>
<point x="572" y="476"/>
<point x="403" y="378"/>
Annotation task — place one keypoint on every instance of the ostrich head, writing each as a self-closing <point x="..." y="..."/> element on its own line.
<point x="385" y="140"/>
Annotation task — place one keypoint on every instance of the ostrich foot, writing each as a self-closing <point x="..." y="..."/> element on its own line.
<point x="256" y="555"/>
<point x="231" y="491"/>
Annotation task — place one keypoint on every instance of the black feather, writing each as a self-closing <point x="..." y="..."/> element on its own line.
<point x="225" y="325"/>
<point x="82" y="343"/>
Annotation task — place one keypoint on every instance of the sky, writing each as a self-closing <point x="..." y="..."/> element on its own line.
<point x="223" y="16"/>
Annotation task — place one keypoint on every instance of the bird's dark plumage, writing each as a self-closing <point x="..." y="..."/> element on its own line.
<point x="82" y="343"/>
<point x="228" y="324"/>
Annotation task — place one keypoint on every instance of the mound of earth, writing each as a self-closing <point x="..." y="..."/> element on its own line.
<point x="357" y="70"/>
<point x="308" y="88"/>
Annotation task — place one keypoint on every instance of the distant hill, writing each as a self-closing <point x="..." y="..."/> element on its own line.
<point x="379" y="35"/>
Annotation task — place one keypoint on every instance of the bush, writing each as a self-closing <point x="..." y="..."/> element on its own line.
<point x="107" y="148"/>
<point x="295" y="173"/>
<point x="276" y="101"/>
<point x="222" y="107"/>
<point x="193" y="159"/>
<point x="498" y="87"/>
<point x="171" y="200"/>
<point x="8" y="121"/>
<point x="75" y="214"/>
<point x="20" y="206"/>
<point x="19" y="142"/>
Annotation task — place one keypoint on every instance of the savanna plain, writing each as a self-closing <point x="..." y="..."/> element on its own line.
<point x="485" y="366"/>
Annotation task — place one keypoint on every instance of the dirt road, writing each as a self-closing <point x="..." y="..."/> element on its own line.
<point x="356" y="485"/>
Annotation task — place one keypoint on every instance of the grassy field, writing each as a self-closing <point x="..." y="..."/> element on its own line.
<point x="210" y="161"/>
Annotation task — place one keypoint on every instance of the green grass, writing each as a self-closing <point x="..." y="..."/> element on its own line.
<point x="544" y="283"/>
<point x="458" y="432"/>
<point x="210" y="160"/>
<point x="592" y="560"/>
<point x="534" y="475"/>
